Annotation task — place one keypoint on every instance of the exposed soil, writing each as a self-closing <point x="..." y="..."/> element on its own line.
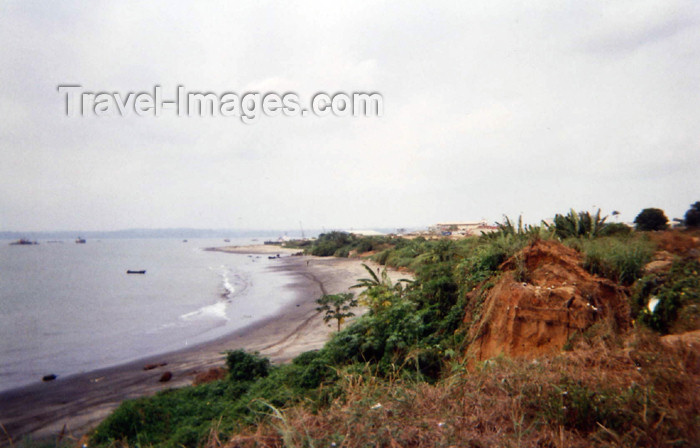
<point x="685" y="243"/>
<point x="543" y="297"/>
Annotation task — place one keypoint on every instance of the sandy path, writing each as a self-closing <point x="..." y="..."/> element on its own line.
<point x="79" y="402"/>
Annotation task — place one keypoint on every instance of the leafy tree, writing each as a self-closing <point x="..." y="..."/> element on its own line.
<point x="337" y="306"/>
<point x="651" y="219"/>
<point x="692" y="216"/>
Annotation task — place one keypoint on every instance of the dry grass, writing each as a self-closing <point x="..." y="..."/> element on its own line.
<point x="643" y="393"/>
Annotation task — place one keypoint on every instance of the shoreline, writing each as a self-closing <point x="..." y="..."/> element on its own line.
<point x="79" y="402"/>
<point x="256" y="249"/>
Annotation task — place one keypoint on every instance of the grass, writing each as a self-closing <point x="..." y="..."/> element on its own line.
<point x="619" y="259"/>
<point x="641" y="395"/>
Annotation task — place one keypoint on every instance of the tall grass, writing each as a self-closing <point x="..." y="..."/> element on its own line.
<point x="642" y="395"/>
<point x="619" y="259"/>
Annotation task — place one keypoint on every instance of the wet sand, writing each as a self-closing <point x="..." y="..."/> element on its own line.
<point x="80" y="402"/>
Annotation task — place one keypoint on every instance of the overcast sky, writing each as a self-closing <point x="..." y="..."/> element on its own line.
<point x="490" y="108"/>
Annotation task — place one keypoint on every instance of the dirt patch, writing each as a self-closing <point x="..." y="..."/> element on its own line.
<point x="689" y="339"/>
<point x="541" y="299"/>
<point x="211" y="375"/>
<point x="676" y="242"/>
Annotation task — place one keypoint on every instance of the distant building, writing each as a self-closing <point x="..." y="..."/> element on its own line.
<point x="364" y="232"/>
<point x="463" y="228"/>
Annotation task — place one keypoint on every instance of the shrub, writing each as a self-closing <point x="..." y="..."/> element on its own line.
<point x="651" y="219"/>
<point x="383" y="337"/>
<point x="677" y="295"/>
<point x="616" y="229"/>
<point x="243" y="366"/>
<point x="173" y="418"/>
<point x="382" y="257"/>
<point x="313" y="370"/>
<point x="364" y="245"/>
<point x="692" y="216"/>
<point x="328" y="244"/>
<point x="342" y="252"/>
<point x="484" y="260"/>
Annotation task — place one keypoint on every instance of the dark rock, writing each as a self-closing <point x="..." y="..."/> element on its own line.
<point x="154" y="366"/>
<point x="165" y="377"/>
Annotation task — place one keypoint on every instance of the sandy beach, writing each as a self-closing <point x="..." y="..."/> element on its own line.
<point x="79" y="402"/>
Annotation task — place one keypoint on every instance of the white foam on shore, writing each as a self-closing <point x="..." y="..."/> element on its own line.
<point x="228" y="287"/>
<point x="215" y="311"/>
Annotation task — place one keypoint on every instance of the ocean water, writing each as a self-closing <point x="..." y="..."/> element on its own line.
<point x="67" y="308"/>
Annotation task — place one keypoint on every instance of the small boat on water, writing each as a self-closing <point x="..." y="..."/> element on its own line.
<point x="23" y="242"/>
<point x="135" y="272"/>
<point x="80" y="240"/>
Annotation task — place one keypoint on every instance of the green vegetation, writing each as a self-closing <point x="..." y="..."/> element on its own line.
<point x="669" y="301"/>
<point x="398" y="374"/>
<point x="245" y="367"/>
<point x="191" y="415"/>
<point x="577" y="225"/>
<point x="619" y="259"/>
<point x="341" y="244"/>
<point x="633" y="397"/>
<point x="692" y="216"/>
<point x="651" y="219"/>
<point x="337" y="306"/>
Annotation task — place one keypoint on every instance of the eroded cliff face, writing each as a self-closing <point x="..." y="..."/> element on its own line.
<point x="541" y="298"/>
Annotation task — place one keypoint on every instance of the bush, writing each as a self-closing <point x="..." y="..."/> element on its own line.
<point x="677" y="296"/>
<point x="328" y="244"/>
<point x="243" y="366"/>
<point x="364" y="245"/>
<point x="616" y="229"/>
<point x="692" y="216"/>
<point x="484" y="260"/>
<point x="651" y="219"/>
<point x="314" y="370"/>
<point x="382" y="257"/>
<point x="384" y="337"/>
<point x="173" y="418"/>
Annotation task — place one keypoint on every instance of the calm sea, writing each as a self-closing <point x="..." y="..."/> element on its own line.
<point x="67" y="308"/>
